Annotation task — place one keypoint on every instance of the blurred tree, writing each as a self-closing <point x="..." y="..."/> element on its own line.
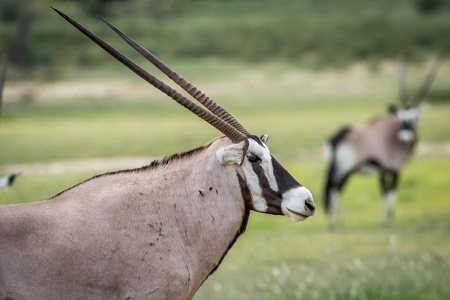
<point x="162" y="10"/>
<point x="9" y="10"/>
<point x="18" y="50"/>
<point x="17" y="17"/>
<point x="96" y="6"/>
<point x="431" y="6"/>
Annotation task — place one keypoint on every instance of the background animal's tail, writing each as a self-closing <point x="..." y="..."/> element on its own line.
<point x="330" y="154"/>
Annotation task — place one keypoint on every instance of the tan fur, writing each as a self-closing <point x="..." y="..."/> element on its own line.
<point x="378" y="141"/>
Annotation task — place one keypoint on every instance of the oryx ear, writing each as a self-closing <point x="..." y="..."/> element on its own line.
<point x="264" y="138"/>
<point x="423" y="107"/>
<point x="233" y="154"/>
<point x="392" y="109"/>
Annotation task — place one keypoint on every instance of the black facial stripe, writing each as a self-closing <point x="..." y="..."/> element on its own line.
<point x="408" y="125"/>
<point x="273" y="198"/>
<point x="285" y="181"/>
<point x="245" y="192"/>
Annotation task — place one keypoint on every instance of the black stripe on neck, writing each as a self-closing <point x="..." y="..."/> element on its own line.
<point x="273" y="198"/>
<point x="245" y="192"/>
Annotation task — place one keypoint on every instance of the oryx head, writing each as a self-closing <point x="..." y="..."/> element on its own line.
<point x="267" y="186"/>
<point x="409" y="111"/>
<point x="270" y="187"/>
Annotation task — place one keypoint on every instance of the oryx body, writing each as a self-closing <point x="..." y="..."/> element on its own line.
<point x="151" y="233"/>
<point x="383" y="146"/>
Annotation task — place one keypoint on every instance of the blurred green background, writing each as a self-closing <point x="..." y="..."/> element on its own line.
<point x="297" y="70"/>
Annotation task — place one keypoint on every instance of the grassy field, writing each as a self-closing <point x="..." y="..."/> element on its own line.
<point x="275" y="258"/>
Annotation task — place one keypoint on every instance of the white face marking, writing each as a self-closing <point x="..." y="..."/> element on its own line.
<point x="262" y="152"/>
<point x="293" y="204"/>
<point x="406" y="135"/>
<point x="408" y="115"/>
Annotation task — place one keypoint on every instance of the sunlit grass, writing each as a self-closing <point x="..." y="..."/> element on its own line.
<point x="322" y="265"/>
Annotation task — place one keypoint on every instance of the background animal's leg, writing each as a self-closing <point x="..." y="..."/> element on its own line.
<point x="341" y="166"/>
<point x="334" y="210"/>
<point x="331" y="193"/>
<point x="388" y="192"/>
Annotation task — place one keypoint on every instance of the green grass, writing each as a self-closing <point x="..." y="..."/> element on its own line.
<point x="275" y="258"/>
<point x="297" y="108"/>
<point x="395" y="263"/>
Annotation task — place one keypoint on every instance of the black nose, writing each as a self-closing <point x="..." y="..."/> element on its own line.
<point x="309" y="205"/>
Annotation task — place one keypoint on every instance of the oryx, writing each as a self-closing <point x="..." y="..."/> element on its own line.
<point x="8" y="180"/>
<point x="383" y="146"/>
<point x="156" y="232"/>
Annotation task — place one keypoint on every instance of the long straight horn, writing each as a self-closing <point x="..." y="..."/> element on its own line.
<point x="437" y="64"/>
<point x="215" y="121"/>
<point x="2" y="81"/>
<point x="183" y="83"/>
<point x="403" y="93"/>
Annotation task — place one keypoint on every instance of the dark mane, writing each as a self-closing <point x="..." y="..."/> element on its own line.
<point x="339" y="136"/>
<point x="153" y="165"/>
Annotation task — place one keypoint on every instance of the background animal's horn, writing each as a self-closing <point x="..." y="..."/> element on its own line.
<point x="403" y="92"/>
<point x="183" y="83"/>
<point x="232" y="133"/>
<point x="422" y="92"/>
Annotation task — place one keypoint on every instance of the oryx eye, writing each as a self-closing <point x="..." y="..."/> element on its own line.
<point x="253" y="158"/>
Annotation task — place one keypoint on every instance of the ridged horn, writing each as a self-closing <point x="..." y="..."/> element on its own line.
<point x="403" y="92"/>
<point x="422" y="92"/>
<point x="228" y="130"/>
<point x="2" y="81"/>
<point x="183" y="83"/>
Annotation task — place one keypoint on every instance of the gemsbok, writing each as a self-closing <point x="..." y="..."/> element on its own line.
<point x="383" y="146"/>
<point x="8" y="180"/>
<point x="156" y="232"/>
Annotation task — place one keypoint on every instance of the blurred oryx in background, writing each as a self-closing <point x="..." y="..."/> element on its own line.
<point x="384" y="145"/>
